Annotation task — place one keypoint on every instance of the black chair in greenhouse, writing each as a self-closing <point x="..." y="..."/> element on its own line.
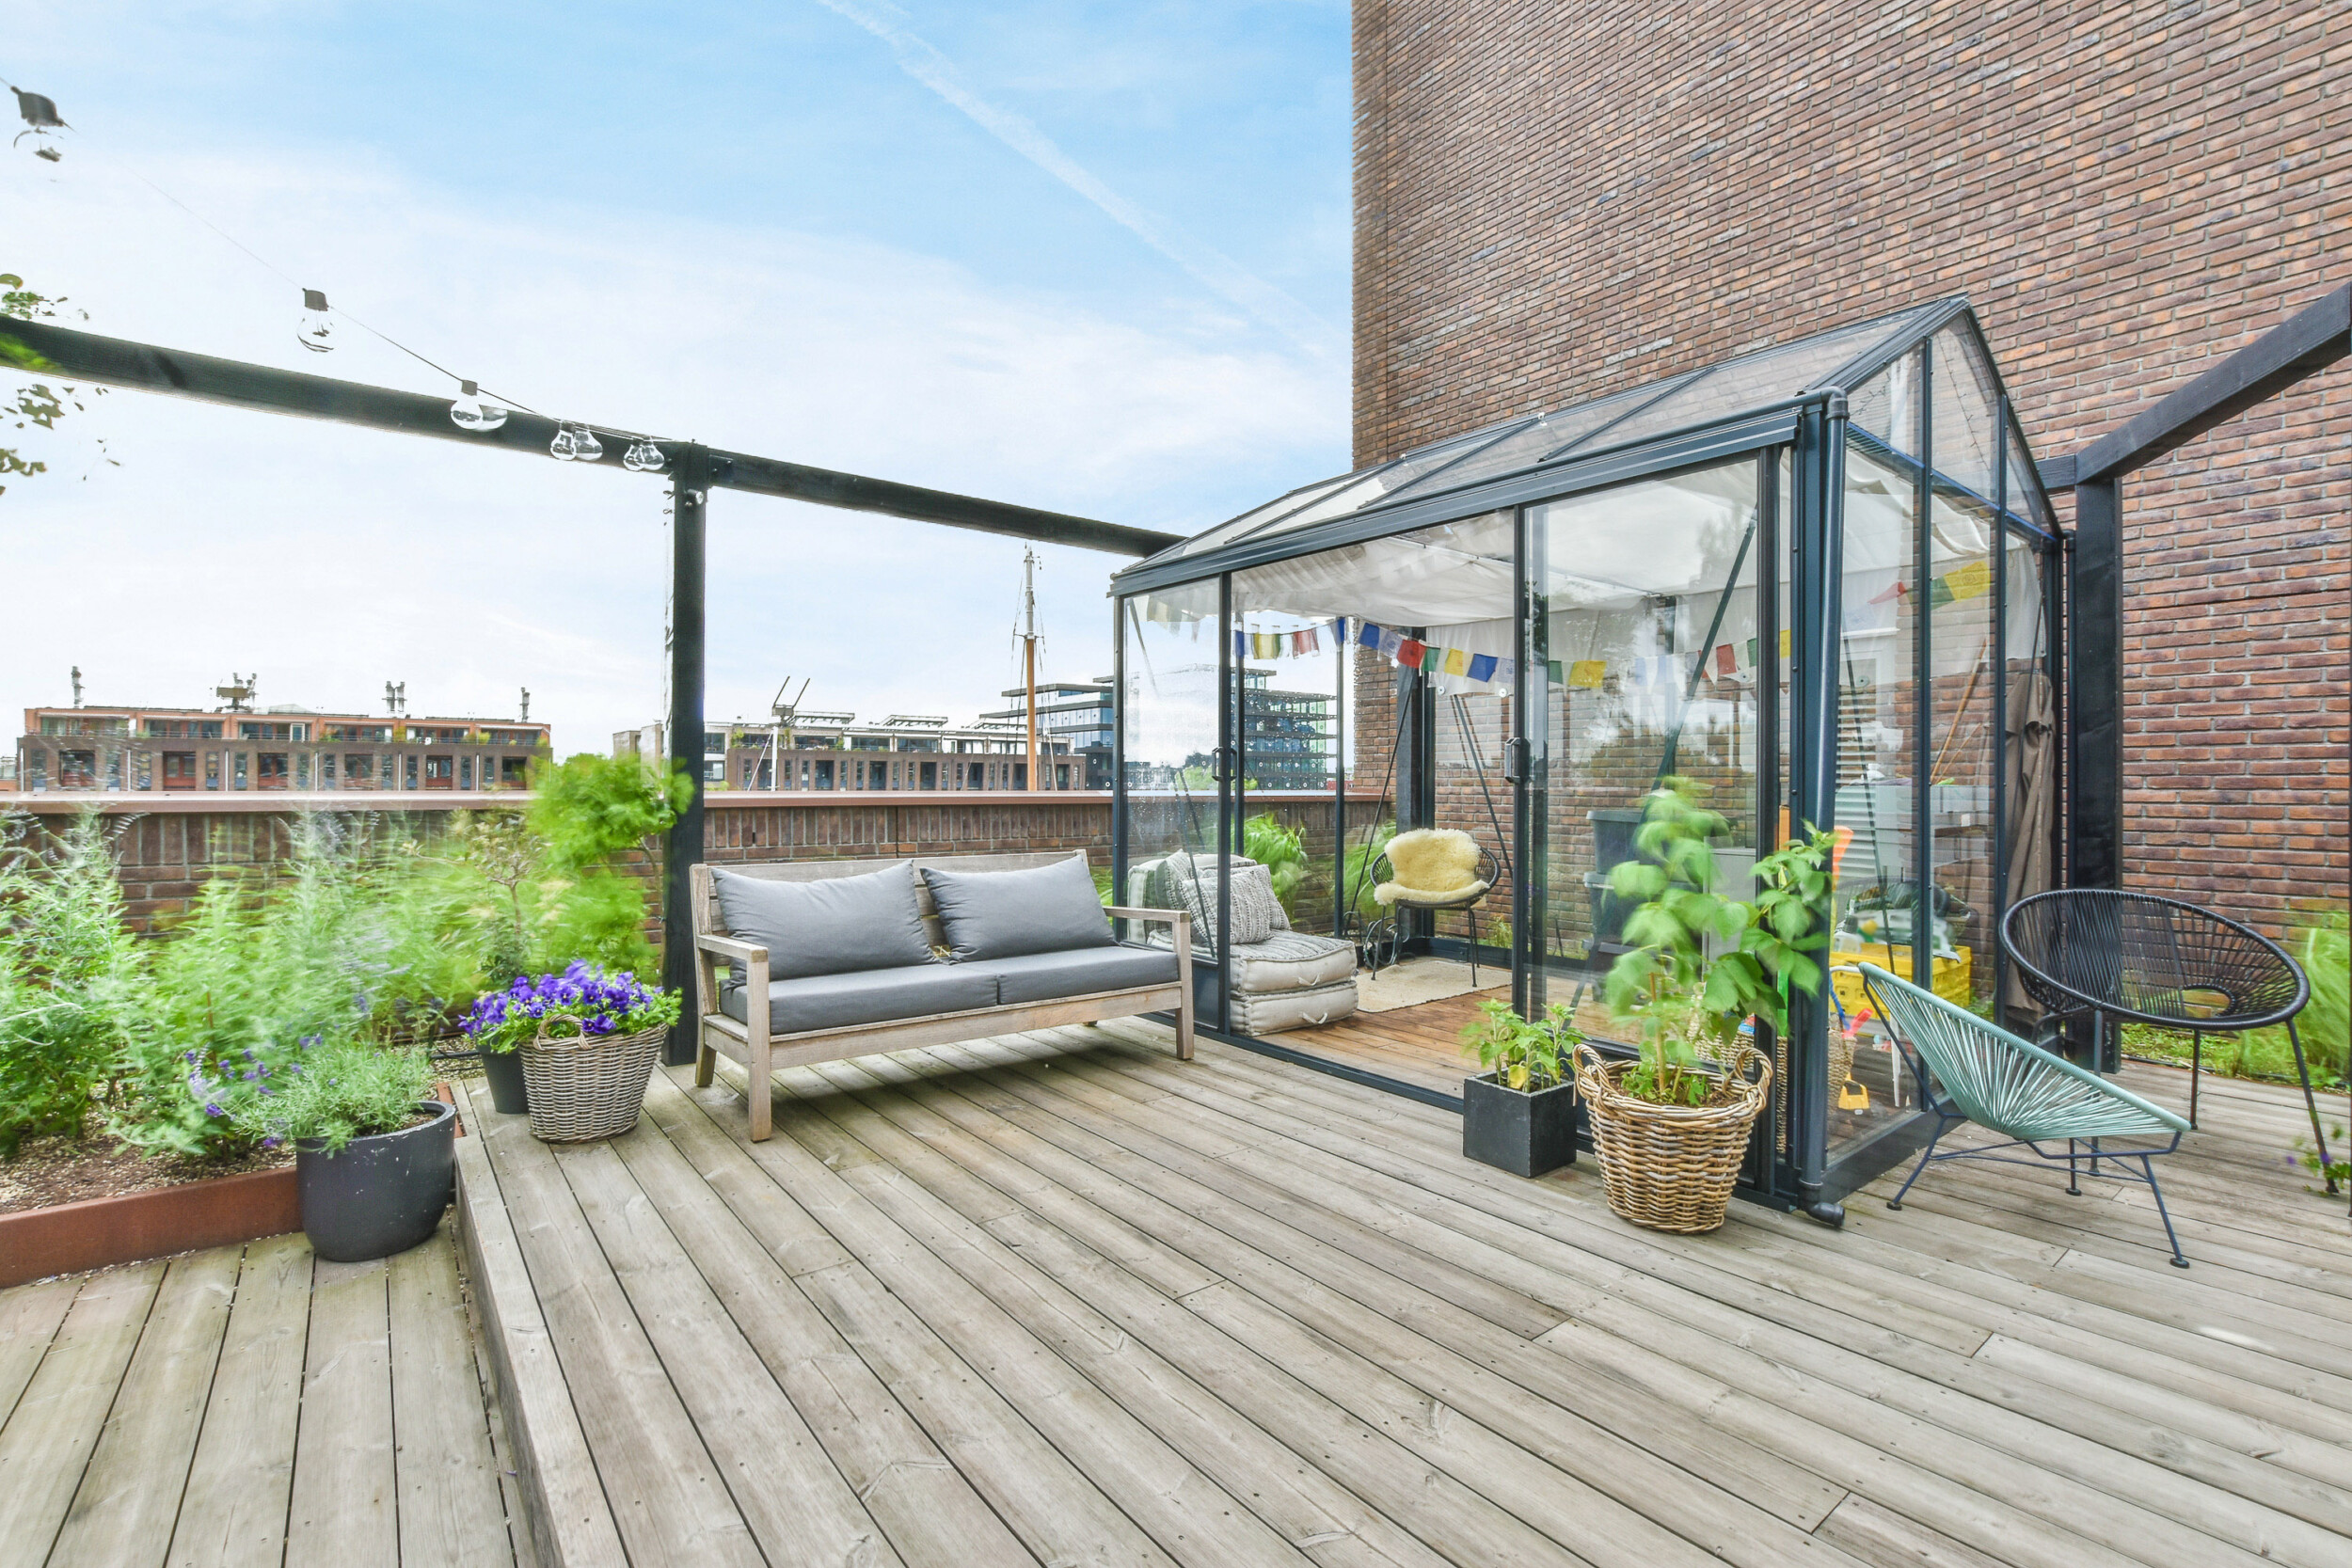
<point x="2145" y="959"/>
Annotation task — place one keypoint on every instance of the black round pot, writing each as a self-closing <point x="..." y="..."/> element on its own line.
<point x="381" y="1193"/>
<point x="504" y="1070"/>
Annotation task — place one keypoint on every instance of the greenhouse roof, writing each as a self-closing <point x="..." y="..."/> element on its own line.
<point x="1738" y="404"/>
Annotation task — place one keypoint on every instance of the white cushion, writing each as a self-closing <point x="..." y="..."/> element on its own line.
<point x="1275" y="1011"/>
<point x="1293" y="961"/>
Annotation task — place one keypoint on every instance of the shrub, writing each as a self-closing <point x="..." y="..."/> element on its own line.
<point x="329" y="1094"/>
<point x="1521" y="1055"/>
<point x="67" y="963"/>
<point x="1280" y="851"/>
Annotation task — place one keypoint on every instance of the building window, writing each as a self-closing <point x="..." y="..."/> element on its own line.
<point x="1020" y="775"/>
<point x="179" y="769"/>
<point x="878" y="775"/>
<point x="35" y="769"/>
<point x="1061" y="775"/>
<point x="824" y="774"/>
<point x="407" y="772"/>
<point x="302" y="771"/>
<point x="513" y="772"/>
<point x="465" y="772"/>
<point x="77" y="769"/>
<point x="979" y="775"/>
<point x="237" y="763"/>
<point x="359" y="771"/>
<point x="212" y="770"/>
<point x="326" y="770"/>
<point x="441" y="772"/>
<point x="930" y="775"/>
<point x="270" y="770"/>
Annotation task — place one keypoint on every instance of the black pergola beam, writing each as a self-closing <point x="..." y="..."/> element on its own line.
<point x="43" y="348"/>
<point x="2312" y="339"/>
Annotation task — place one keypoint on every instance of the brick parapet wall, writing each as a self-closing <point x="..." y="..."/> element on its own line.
<point x="1556" y="201"/>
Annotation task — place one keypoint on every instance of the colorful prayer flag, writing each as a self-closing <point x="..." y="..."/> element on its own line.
<point x="1369" y="635"/>
<point x="1747" y="654"/>
<point x="1241" y="645"/>
<point x="1392" y="644"/>
<point x="1456" y="662"/>
<point x="1481" y="667"/>
<point x="1556" y="672"/>
<point x="1506" y="669"/>
<point x="1970" y="581"/>
<point x="1788" y="641"/>
<point x="1432" y="658"/>
<point x="1408" y="650"/>
<point x="1588" y="673"/>
<point x="1726" y="662"/>
<point x="1886" y="593"/>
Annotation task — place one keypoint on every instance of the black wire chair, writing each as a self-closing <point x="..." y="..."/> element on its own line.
<point x="1389" y="931"/>
<point x="2147" y="959"/>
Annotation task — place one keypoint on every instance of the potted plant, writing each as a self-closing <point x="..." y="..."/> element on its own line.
<point x="1520" y="1114"/>
<point x="375" y="1155"/>
<point x="1671" y="1126"/>
<point x="587" y="1041"/>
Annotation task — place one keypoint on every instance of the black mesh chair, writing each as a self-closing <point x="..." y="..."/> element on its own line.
<point x="2137" y="956"/>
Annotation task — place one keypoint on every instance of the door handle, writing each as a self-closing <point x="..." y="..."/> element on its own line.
<point x="1517" y="759"/>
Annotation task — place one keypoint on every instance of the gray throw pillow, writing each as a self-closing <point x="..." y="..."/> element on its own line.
<point x="1004" y="914"/>
<point x="835" y="925"/>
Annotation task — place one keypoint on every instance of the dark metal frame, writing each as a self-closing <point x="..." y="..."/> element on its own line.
<point x="1812" y="431"/>
<point x="46" y="348"/>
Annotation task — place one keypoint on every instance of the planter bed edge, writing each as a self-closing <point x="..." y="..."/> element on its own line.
<point x="100" y="1232"/>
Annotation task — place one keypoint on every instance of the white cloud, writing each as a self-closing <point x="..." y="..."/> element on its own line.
<point x="334" y="559"/>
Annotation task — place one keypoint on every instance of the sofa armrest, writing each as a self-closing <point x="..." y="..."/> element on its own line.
<point x="727" y="947"/>
<point x="1174" y="917"/>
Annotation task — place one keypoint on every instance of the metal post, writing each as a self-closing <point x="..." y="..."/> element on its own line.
<point x="1767" y="778"/>
<point x="1339" y="784"/>
<point x="1527" y="750"/>
<point x="1817" y="528"/>
<point x="683" y="849"/>
<point x="1119" y="613"/>
<point x="2002" y="416"/>
<point x="2095" y="710"/>
<point x="1923" y="919"/>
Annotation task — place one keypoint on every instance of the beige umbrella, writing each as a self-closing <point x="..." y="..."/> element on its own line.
<point x="2031" y="749"/>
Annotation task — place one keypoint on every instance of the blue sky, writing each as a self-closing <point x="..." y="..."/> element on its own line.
<point x="1089" y="257"/>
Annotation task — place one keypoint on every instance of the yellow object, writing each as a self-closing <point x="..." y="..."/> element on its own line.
<point x="1953" y="976"/>
<point x="1456" y="662"/>
<point x="1853" y="1096"/>
<point x="1587" y="674"/>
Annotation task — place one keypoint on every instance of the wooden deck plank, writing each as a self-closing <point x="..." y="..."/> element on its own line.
<point x="29" y="1316"/>
<point x="1042" y="1495"/>
<point x="345" y="1503"/>
<point x="786" y="1486"/>
<point x="450" y="1512"/>
<point x="123" y="1512"/>
<point x="1855" y="1462"/>
<point x="241" y="1477"/>
<point x="47" y="1441"/>
<point x="1189" y="1515"/>
<point x="941" y="1200"/>
<point x="926" y="1507"/>
<point x="668" y="1497"/>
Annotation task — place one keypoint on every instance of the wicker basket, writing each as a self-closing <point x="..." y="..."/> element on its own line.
<point x="583" y="1086"/>
<point x="1671" y="1167"/>
<point x="1840" y="1071"/>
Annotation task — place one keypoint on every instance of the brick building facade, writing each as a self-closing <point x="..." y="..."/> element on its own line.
<point x="1556" y="201"/>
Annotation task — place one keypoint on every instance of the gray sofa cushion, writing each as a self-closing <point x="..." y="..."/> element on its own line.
<point x="835" y="925"/>
<point x="867" y="996"/>
<point x="1080" y="972"/>
<point x="1004" y="914"/>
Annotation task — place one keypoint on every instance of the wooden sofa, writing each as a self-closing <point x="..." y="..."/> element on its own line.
<point x="748" y="1041"/>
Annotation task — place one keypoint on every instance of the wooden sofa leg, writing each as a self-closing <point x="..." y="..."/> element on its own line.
<point x="1184" y="1028"/>
<point x="763" y="1105"/>
<point x="706" y="1065"/>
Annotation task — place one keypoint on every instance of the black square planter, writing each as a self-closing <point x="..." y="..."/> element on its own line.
<point x="1526" y="1135"/>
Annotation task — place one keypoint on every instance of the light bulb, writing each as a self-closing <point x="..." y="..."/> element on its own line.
<point x="643" y="457"/>
<point x="590" y="448"/>
<point x="316" y="332"/>
<point x="563" y="448"/>
<point x="471" y="413"/>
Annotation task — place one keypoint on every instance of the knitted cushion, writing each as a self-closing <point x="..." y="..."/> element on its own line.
<point x="1293" y="961"/>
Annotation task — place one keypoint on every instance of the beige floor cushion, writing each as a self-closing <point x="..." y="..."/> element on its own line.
<point x="1271" y="1012"/>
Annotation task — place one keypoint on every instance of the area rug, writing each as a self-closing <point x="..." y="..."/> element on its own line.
<point x="1419" y="980"/>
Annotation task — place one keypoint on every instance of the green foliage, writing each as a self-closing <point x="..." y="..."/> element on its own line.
<point x="331" y="1094"/>
<point x="39" y="403"/>
<point x="1522" y="1054"/>
<point x="1281" y="850"/>
<point x="594" y="807"/>
<point x="2319" y="944"/>
<point x="1704" y="964"/>
<point x="67" y="966"/>
<point x="1358" y="870"/>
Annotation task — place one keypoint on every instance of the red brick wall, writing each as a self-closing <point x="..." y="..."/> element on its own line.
<point x="1555" y="200"/>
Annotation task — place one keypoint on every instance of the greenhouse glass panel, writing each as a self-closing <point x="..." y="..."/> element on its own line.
<point x="1169" y="723"/>
<point x="1251" y="520"/>
<point x="1378" y="485"/>
<point x="1771" y="376"/>
<point x="1529" y="446"/>
<point x="1965" y="424"/>
<point x="1962" y="741"/>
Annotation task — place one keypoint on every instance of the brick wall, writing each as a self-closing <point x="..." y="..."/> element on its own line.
<point x="1555" y="201"/>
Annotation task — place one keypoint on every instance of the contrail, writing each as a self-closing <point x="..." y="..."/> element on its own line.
<point x="1214" y="270"/>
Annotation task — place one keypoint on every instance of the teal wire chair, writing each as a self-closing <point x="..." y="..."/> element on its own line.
<point x="1971" y="1070"/>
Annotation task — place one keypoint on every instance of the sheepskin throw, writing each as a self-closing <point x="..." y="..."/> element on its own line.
<point x="1433" y="865"/>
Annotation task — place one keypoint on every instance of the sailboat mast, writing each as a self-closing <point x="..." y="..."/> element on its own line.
<point x="1028" y="656"/>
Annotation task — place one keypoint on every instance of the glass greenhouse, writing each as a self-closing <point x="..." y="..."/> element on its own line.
<point x="1819" y="581"/>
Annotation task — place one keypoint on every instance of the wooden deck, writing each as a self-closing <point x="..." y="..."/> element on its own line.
<point x="249" y="1405"/>
<point x="1060" y="1299"/>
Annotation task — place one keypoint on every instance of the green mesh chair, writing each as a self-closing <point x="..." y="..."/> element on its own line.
<point x="1970" y="1071"/>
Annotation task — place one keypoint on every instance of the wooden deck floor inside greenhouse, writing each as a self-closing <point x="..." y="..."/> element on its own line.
<point x="1062" y="1299"/>
<point x="250" y="1405"/>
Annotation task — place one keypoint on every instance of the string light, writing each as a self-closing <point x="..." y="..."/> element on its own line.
<point x="40" y="118"/>
<point x="469" y="412"/>
<point x="316" y="332"/>
<point x="575" y="443"/>
<point x="643" y="457"/>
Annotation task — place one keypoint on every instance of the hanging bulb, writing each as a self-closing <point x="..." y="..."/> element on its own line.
<point x="39" y="114"/>
<point x="565" y="447"/>
<point x="317" y="330"/>
<point x="471" y="413"/>
<point x="589" y="447"/>
<point x="643" y="457"/>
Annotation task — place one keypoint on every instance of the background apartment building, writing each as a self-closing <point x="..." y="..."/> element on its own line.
<point x="1556" y="201"/>
<point x="171" y="750"/>
<point x="832" y="751"/>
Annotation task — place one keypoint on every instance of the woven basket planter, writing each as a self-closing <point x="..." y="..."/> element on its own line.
<point x="1671" y="1167"/>
<point x="582" y="1087"/>
<point x="1840" y="1070"/>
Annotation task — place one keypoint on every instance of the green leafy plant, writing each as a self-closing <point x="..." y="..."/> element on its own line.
<point x="39" y="403"/>
<point x="1358" y="870"/>
<point x="328" y="1095"/>
<point x="1704" y="964"/>
<point x="1522" y="1054"/>
<point x="1281" y="849"/>
<point x="67" y="967"/>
